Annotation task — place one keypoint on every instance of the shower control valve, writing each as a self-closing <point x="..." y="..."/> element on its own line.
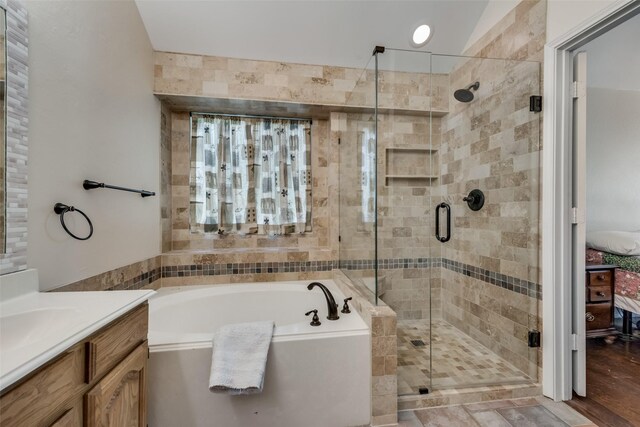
<point x="315" y="320"/>
<point x="345" y="307"/>
<point x="475" y="200"/>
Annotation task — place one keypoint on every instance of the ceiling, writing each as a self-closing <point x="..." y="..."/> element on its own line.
<point x="323" y="32"/>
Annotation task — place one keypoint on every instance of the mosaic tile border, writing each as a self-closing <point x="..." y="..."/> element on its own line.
<point x="247" y="268"/>
<point x="139" y="281"/>
<point x="510" y="283"/>
<point x="391" y="263"/>
<point x="224" y="269"/>
<point x="504" y="281"/>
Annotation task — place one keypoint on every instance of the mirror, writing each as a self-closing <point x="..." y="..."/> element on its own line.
<point x="3" y="129"/>
<point x="14" y="145"/>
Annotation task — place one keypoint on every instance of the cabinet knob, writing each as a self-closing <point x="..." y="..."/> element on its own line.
<point x="600" y="277"/>
<point x="600" y="293"/>
<point x="590" y="317"/>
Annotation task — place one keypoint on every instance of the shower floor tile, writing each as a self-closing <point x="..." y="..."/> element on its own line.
<point x="457" y="359"/>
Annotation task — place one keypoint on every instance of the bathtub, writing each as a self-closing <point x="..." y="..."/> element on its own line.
<point x="315" y="376"/>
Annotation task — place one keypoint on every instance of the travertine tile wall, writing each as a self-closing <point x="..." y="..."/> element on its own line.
<point x="14" y="257"/>
<point x="194" y="75"/>
<point x="493" y="143"/>
<point x="399" y="90"/>
<point x="218" y="77"/>
<point x="356" y="231"/>
<point x="384" y="358"/>
<point x="143" y="274"/>
<point x="165" y="176"/>
<point x="242" y="266"/>
<point x="405" y="225"/>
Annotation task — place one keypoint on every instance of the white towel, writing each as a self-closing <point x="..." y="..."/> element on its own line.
<point x="240" y="357"/>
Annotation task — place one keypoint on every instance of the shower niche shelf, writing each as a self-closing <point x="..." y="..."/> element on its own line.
<point x="410" y="166"/>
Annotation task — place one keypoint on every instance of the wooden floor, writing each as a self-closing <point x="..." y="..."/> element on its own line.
<point x="613" y="384"/>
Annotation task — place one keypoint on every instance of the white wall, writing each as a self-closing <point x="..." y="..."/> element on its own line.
<point x="613" y="59"/>
<point x="613" y="129"/>
<point x="92" y="116"/>
<point x="613" y="159"/>
<point x="564" y="15"/>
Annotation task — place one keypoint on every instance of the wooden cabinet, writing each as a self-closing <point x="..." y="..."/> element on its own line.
<point x="600" y="294"/>
<point x="119" y="399"/>
<point x="100" y="381"/>
<point x="106" y="348"/>
<point x="45" y="396"/>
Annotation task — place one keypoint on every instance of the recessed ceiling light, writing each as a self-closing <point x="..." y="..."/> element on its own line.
<point x="421" y="35"/>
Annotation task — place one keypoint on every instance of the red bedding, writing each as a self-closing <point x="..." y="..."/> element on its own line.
<point x="627" y="282"/>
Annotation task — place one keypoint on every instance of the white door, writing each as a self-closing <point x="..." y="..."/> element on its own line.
<point x="579" y="226"/>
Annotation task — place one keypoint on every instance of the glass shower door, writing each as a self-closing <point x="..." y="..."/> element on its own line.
<point x="408" y="171"/>
<point x="489" y="288"/>
<point x="457" y="226"/>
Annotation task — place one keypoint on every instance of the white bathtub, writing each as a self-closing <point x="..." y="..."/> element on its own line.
<point x="316" y="376"/>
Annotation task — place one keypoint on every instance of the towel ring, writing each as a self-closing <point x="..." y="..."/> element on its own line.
<point x="61" y="209"/>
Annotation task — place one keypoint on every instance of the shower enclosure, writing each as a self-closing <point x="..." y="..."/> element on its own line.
<point x="439" y="205"/>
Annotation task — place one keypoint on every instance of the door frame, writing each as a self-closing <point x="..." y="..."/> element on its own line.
<point x="556" y="195"/>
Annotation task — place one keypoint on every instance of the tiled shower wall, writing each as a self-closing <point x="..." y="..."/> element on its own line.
<point x="165" y="176"/>
<point x="405" y="228"/>
<point x="493" y="144"/>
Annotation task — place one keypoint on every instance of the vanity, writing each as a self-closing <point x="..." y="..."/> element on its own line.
<point x="72" y="358"/>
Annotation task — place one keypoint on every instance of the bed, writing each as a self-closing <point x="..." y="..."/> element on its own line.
<point x="622" y="249"/>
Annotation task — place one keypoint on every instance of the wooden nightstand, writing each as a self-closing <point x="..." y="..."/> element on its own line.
<point x="600" y="294"/>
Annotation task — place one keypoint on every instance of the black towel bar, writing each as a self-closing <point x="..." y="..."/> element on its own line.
<point x="90" y="185"/>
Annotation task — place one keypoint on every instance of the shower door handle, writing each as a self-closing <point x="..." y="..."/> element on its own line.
<point x="447" y="209"/>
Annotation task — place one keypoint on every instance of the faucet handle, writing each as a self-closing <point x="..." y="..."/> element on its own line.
<point x="345" y="307"/>
<point x="315" y="321"/>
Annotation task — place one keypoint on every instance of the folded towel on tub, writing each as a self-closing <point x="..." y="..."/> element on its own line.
<point x="240" y="357"/>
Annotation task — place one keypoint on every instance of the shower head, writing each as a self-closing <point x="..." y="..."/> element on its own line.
<point x="465" y="95"/>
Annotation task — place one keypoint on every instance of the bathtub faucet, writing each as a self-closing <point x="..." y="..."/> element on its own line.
<point x="331" y="303"/>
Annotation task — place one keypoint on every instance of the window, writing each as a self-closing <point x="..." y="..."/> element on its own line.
<point x="250" y="175"/>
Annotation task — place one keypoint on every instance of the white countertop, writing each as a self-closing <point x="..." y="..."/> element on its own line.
<point x="35" y="326"/>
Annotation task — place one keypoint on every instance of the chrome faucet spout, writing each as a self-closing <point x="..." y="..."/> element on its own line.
<point x="331" y="302"/>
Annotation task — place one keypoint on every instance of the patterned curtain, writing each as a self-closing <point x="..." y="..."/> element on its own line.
<point x="368" y="173"/>
<point x="250" y="175"/>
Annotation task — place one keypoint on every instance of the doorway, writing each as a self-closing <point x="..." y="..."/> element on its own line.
<point x="606" y="233"/>
<point x="567" y="218"/>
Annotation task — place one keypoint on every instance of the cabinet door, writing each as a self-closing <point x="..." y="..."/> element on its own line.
<point x="44" y="397"/>
<point x="119" y="399"/>
<point x="72" y="417"/>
